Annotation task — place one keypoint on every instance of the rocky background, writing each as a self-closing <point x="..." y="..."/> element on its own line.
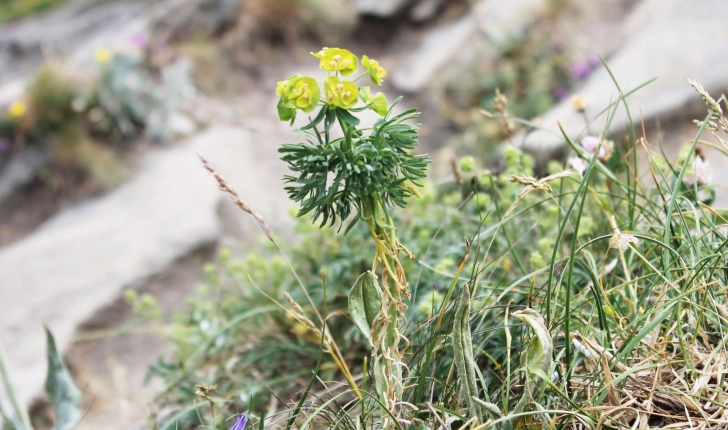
<point x="66" y="261"/>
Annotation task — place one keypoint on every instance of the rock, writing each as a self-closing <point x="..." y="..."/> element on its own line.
<point x="380" y="8"/>
<point x="500" y="21"/>
<point x="425" y="10"/>
<point x="671" y="40"/>
<point x="61" y="30"/>
<point x="81" y="259"/>
<point x="436" y="49"/>
<point x="21" y="168"/>
<point x="204" y="17"/>
<point x="73" y="30"/>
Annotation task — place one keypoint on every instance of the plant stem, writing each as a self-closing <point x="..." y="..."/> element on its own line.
<point x="20" y="413"/>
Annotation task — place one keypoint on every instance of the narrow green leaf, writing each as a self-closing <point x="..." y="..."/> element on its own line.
<point x="20" y="420"/>
<point x="62" y="392"/>
<point x="365" y="299"/>
<point x="347" y="117"/>
<point x="462" y="345"/>
<point x="317" y="120"/>
<point x="537" y="354"/>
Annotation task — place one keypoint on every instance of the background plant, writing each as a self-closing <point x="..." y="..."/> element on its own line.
<point x="83" y="120"/>
<point x="64" y="396"/>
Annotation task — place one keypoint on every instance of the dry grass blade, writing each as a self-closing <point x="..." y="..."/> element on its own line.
<point x="533" y="184"/>
<point x="230" y="191"/>
<point x="227" y="188"/>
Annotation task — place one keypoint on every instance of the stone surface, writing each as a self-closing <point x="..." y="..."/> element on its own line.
<point x="425" y="10"/>
<point x="437" y="48"/>
<point x="380" y="8"/>
<point x="82" y="258"/>
<point x="671" y="40"/>
<point x="73" y="30"/>
<point x="499" y="21"/>
<point x="20" y="169"/>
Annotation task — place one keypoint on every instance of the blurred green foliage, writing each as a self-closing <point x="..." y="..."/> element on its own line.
<point x="11" y="10"/>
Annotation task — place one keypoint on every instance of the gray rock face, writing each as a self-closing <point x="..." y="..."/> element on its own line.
<point x="20" y="169"/>
<point x="498" y="20"/>
<point x="425" y="10"/>
<point x="380" y="8"/>
<point x="82" y="258"/>
<point x="436" y="49"/>
<point x="71" y="25"/>
<point x="73" y="30"/>
<point x="671" y="40"/>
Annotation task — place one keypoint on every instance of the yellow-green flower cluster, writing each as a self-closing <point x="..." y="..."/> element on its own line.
<point x="374" y="70"/>
<point x="377" y="103"/>
<point x="297" y="92"/>
<point x="340" y="93"/>
<point x="302" y="92"/>
<point x="337" y="60"/>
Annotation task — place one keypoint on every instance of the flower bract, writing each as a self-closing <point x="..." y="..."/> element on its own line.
<point x="337" y="60"/>
<point x="375" y="71"/>
<point x="378" y="103"/>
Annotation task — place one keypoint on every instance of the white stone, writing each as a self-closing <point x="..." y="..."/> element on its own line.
<point x="671" y="40"/>
<point x="498" y="20"/>
<point x="82" y="258"/>
<point x="380" y="8"/>
<point x="20" y="169"/>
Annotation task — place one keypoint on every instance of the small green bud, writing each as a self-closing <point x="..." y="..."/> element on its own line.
<point x="554" y="167"/>
<point x="484" y="179"/>
<point x="224" y="255"/>
<point x="446" y="265"/>
<point x="452" y="199"/>
<point x="537" y="260"/>
<point x="586" y="225"/>
<point x="546" y="244"/>
<point x="130" y="296"/>
<point x="467" y="164"/>
<point x="483" y="200"/>
<point x="512" y="156"/>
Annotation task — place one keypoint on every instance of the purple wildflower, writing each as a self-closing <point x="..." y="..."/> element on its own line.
<point x="138" y="41"/>
<point x="582" y="69"/>
<point x="241" y="423"/>
<point x="594" y="61"/>
<point x="560" y="93"/>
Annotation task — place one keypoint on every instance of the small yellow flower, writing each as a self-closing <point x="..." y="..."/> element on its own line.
<point x="348" y="95"/>
<point x="17" y="109"/>
<point x="376" y="72"/>
<point x="506" y="264"/>
<point x="337" y="60"/>
<point x="578" y="103"/>
<point x="330" y="89"/>
<point x="320" y="54"/>
<point x="283" y="86"/>
<point x="378" y="103"/>
<point x="304" y="94"/>
<point x="340" y="93"/>
<point x="103" y="55"/>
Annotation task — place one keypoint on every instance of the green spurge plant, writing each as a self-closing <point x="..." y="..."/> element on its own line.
<point x="583" y="299"/>
<point x="361" y="176"/>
